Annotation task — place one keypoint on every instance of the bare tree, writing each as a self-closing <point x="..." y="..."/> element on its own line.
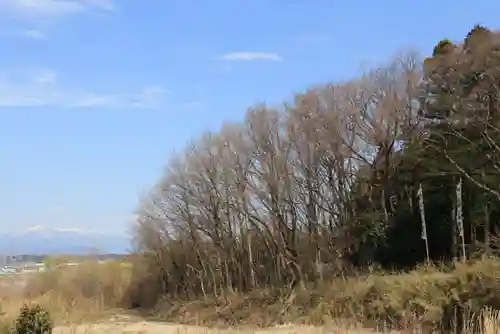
<point x="270" y="203"/>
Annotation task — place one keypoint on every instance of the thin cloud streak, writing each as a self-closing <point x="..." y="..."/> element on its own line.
<point x="34" y="34"/>
<point x="41" y="14"/>
<point x="251" y="56"/>
<point x="41" y="89"/>
<point x="54" y="8"/>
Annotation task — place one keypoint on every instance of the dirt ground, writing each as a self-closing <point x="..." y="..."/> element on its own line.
<point x="122" y="325"/>
<point x="145" y="327"/>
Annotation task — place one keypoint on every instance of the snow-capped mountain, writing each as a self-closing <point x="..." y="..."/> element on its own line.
<point x="45" y="240"/>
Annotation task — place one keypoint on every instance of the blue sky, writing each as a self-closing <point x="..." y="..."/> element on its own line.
<point x="96" y="94"/>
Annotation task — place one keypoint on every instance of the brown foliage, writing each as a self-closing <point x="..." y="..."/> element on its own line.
<point x="267" y="203"/>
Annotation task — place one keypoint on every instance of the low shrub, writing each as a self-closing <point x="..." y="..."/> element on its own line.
<point x="430" y="297"/>
<point x="33" y="320"/>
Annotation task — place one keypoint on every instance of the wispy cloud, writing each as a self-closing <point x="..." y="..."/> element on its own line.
<point x="251" y="56"/>
<point x="54" y="8"/>
<point x="41" y="88"/>
<point x="40" y="15"/>
<point x="34" y="34"/>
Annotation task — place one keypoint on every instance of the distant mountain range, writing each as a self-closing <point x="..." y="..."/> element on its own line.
<point x="50" y="241"/>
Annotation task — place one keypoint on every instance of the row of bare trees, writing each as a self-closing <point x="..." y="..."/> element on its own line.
<point x="398" y="166"/>
<point x="270" y="202"/>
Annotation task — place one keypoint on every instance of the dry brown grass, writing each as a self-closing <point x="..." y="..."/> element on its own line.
<point x="79" y="293"/>
<point x="424" y="300"/>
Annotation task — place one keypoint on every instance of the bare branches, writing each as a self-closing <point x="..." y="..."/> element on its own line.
<point x="267" y="203"/>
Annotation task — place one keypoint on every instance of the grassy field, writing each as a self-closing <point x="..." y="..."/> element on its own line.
<point x="423" y="300"/>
